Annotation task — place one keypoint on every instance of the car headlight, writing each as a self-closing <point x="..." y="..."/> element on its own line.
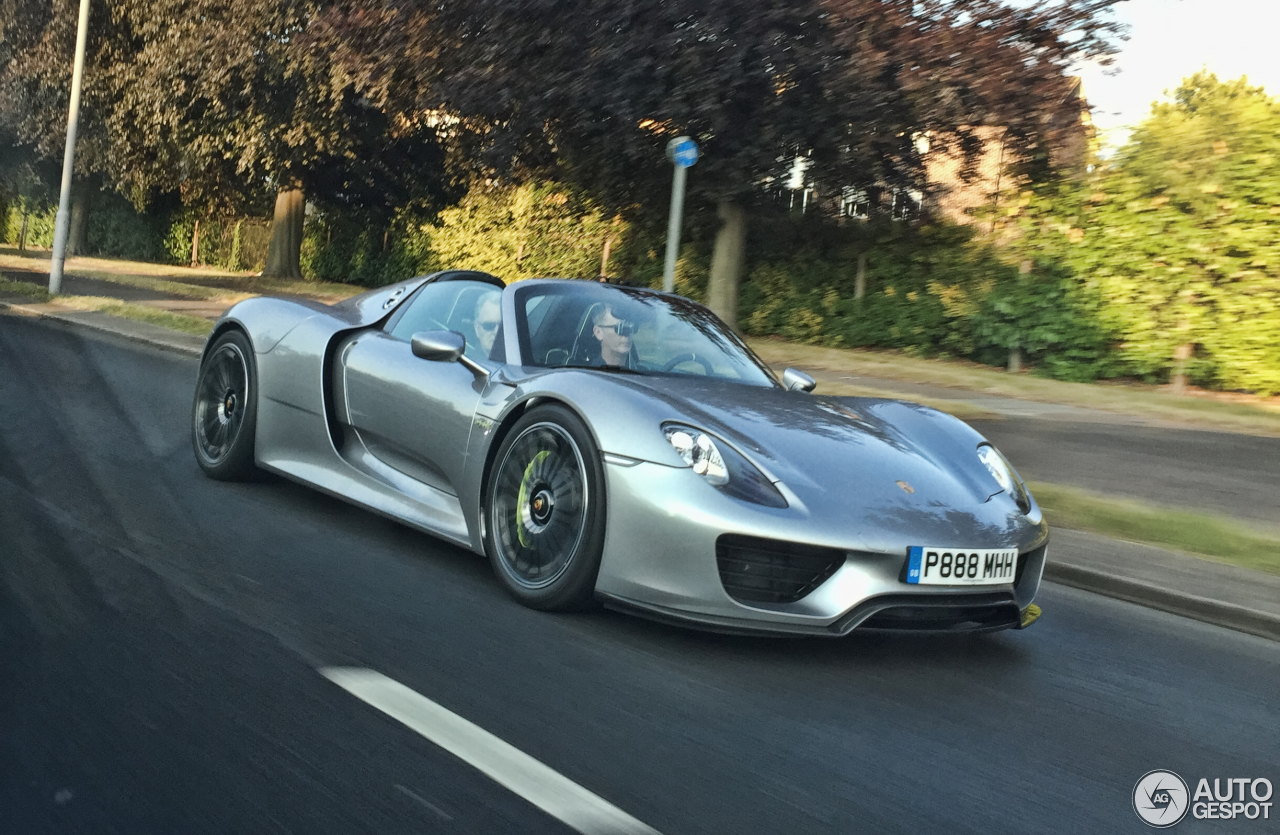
<point x="700" y="452"/>
<point x="1005" y="476"/>
<point x="722" y="466"/>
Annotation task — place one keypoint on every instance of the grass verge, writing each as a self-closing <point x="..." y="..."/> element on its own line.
<point x="1205" y="534"/>
<point x="1216" y="411"/>
<point x="140" y="313"/>
<point x="203" y="283"/>
<point x="230" y="287"/>
<point x="25" y="289"/>
<point x="958" y="408"/>
<point x="199" y="292"/>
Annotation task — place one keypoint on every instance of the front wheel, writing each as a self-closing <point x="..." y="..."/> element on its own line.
<point x="225" y="412"/>
<point x="544" y="510"/>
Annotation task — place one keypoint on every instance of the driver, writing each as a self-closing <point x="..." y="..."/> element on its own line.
<point x="488" y="317"/>
<point x="614" y="335"/>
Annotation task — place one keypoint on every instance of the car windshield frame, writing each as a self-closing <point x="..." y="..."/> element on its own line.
<point x="689" y="313"/>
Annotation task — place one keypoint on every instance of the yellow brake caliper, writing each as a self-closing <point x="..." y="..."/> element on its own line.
<point x="522" y="497"/>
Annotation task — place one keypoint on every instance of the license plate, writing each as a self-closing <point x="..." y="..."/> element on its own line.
<point x="929" y="566"/>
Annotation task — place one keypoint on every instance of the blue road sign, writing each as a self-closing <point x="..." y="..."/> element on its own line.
<point x="682" y="151"/>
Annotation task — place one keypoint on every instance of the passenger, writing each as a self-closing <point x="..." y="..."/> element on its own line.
<point x="487" y="319"/>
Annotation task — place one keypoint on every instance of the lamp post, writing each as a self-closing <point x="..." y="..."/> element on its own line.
<point x="683" y="153"/>
<point x="62" y="220"/>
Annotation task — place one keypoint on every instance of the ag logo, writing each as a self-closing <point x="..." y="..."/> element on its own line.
<point x="1160" y="799"/>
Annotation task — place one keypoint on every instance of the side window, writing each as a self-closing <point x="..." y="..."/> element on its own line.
<point x="471" y="308"/>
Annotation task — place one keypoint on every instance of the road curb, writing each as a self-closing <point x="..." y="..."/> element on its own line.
<point x="145" y="333"/>
<point x="1217" y="612"/>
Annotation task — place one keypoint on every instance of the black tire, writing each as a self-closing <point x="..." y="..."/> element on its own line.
<point x="224" y="414"/>
<point x="544" y="510"/>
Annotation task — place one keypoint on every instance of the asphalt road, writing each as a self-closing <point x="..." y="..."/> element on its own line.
<point x="1236" y="475"/>
<point x="160" y="635"/>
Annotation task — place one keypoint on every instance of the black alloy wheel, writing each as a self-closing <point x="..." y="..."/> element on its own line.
<point x="224" y="414"/>
<point x="544" y="528"/>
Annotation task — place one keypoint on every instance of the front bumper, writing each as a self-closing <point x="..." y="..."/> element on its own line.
<point x="659" y="561"/>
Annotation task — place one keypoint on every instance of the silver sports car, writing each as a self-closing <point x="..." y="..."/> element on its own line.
<point x="599" y="442"/>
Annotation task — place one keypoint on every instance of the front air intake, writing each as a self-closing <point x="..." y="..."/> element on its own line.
<point x="756" y="570"/>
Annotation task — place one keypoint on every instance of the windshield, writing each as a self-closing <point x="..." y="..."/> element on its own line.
<point x="589" y="325"/>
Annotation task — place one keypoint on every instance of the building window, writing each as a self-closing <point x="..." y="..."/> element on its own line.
<point x="907" y="203"/>
<point x="854" y="203"/>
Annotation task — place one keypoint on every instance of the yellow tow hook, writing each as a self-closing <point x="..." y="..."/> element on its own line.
<point x="1029" y="616"/>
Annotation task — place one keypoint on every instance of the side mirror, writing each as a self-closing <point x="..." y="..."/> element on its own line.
<point x="796" y="380"/>
<point x="439" y="346"/>
<point x="446" y="346"/>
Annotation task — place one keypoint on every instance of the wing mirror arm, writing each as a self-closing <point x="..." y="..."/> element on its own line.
<point x="446" y="346"/>
<point x="796" y="380"/>
<point x="480" y="372"/>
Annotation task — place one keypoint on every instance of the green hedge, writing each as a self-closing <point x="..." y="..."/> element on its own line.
<point x="39" y="226"/>
<point x="930" y="290"/>
<point x="117" y="230"/>
<point x="232" y="243"/>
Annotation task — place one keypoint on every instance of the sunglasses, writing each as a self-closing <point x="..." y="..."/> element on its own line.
<point x="621" y="327"/>
<point x="488" y="326"/>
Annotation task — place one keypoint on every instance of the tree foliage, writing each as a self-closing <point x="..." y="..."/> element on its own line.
<point x="593" y="90"/>
<point x="224" y="101"/>
<point x="590" y="92"/>
<point x="221" y="103"/>
<point x="1177" y="240"/>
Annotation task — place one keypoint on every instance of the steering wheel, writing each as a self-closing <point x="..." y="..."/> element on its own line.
<point x="428" y="323"/>
<point x="687" y="356"/>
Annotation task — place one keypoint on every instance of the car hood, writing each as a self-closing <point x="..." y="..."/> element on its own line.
<point x="883" y="465"/>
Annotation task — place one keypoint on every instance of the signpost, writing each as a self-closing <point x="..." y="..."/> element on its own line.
<point x="62" y="219"/>
<point x="683" y="153"/>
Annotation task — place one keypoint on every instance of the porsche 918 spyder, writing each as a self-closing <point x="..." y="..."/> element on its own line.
<point x="622" y="445"/>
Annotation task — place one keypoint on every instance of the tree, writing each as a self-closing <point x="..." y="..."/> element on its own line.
<point x="247" y="95"/>
<point x="1181" y="237"/>
<point x="36" y="42"/>
<point x="222" y="103"/>
<point x="590" y="92"/>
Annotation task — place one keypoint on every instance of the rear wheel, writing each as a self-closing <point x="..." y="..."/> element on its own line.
<point x="544" y="510"/>
<point x="224" y="414"/>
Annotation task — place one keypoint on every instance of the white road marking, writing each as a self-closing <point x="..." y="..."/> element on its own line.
<point x="537" y="783"/>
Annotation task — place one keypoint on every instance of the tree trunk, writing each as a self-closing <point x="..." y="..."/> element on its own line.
<point x="604" y="258"/>
<point x="234" y="263"/>
<point x="195" y="244"/>
<point x="1181" y="355"/>
<point x="860" y="280"/>
<point x="286" y="235"/>
<point x="22" y="235"/>
<point x="76" y="241"/>
<point x="727" y="261"/>
<point x="1015" y="351"/>
<point x="608" y="247"/>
